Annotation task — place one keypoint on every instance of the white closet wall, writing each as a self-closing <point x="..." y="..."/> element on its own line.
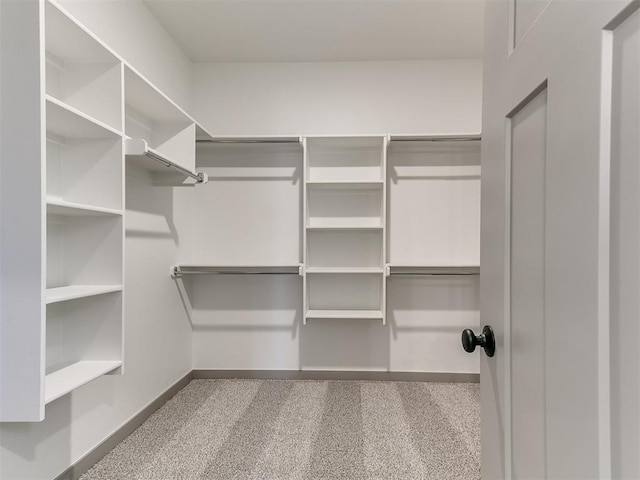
<point x="424" y="315"/>
<point x="341" y="98"/>
<point x="157" y="330"/>
<point x="249" y="214"/>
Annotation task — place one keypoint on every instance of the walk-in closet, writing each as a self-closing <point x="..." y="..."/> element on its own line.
<point x="242" y="239"/>
<point x="269" y="218"/>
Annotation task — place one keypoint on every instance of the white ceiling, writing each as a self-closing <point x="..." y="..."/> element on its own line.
<point x="322" y="30"/>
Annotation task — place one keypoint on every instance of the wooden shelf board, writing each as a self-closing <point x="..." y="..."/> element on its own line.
<point x="69" y="122"/>
<point x="345" y="314"/>
<point x="62" y="381"/>
<point x="62" y="207"/>
<point x="72" y="292"/>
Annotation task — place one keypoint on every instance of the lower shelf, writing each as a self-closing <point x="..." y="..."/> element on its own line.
<point x="345" y="314"/>
<point x="72" y="292"/>
<point x="66" y="379"/>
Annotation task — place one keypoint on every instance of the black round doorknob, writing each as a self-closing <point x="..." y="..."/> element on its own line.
<point x="485" y="340"/>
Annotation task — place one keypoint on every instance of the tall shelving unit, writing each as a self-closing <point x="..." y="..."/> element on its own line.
<point x="344" y="228"/>
<point x="84" y="207"/>
<point x="73" y="107"/>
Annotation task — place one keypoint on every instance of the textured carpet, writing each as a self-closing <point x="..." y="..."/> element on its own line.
<point x="264" y="429"/>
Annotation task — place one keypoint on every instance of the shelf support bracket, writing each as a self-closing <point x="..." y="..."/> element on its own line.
<point x="175" y="272"/>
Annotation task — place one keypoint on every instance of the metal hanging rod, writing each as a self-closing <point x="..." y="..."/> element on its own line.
<point x="267" y="140"/>
<point x="435" y="274"/>
<point x="138" y="148"/>
<point x="199" y="177"/>
<point x="431" y="271"/>
<point x="179" y="270"/>
<point x="435" y="138"/>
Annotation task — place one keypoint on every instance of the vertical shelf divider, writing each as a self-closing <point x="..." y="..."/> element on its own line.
<point x="303" y="223"/>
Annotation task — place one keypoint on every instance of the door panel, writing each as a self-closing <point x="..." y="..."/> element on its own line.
<point x="527" y="317"/>
<point x="625" y="248"/>
<point x="554" y="363"/>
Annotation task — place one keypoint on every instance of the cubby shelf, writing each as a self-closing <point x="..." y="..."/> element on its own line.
<point x="68" y="378"/>
<point x="344" y="227"/>
<point x="345" y="314"/>
<point x="344" y="217"/>
<point x="62" y="207"/>
<point x="365" y="184"/>
<point x="346" y="270"/>
<point x="72" y="292"/>
<point x="69" y="122"/>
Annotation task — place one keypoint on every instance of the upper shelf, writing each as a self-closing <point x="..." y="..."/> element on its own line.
<point x="69" y="41"/>
<point x="68" y="122"/>
<point x="146" y="99"/>
<point x="138" y="150"/>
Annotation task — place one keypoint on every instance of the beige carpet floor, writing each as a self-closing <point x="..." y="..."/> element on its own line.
<point x="333" y="430"/>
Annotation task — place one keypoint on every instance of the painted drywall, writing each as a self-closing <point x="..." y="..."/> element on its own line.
<point x="255" y="323"/>
<point x="436" y="96"/>
<point x="133" y="32"/>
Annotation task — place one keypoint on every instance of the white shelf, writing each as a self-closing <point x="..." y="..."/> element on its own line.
<point x="361" y="270"/>
<point x="344" y="228"/>
<point x="145" y="98"/>
<point x="69" y="122"/>
<point x="67" y="379"/>
<point x="80" y="70"/>
<point x="69" y="40"/>
<point x="345" y="184"/>
<point x="72" y="292"/>
<point x="345" y="314"/>
<point x="61" y="207"/>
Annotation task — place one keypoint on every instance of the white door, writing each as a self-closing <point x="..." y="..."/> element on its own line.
<point x="560" y="257"/>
